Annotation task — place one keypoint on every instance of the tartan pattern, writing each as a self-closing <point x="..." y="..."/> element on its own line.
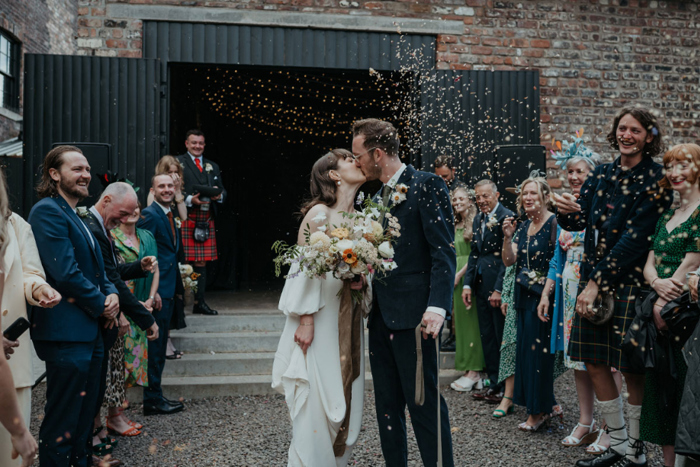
<point x="196" y="251"/>
<point x="602" y="344"/>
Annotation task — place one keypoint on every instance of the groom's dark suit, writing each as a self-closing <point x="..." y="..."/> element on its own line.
<point x="484" y="276"/>
<point x="426" y="261"/>
<point x="67" y="337"/>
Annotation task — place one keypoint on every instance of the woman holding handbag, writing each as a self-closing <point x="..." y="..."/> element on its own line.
<point x="675" y="251"/>
<point x="531" y="248"/>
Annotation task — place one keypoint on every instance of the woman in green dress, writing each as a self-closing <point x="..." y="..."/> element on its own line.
<point x="675" y="252"/>
<point x="132" y="245"/>
<point x="469" y="356"/>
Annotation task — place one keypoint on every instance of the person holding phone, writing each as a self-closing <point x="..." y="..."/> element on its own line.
<point x="24" y="282"/>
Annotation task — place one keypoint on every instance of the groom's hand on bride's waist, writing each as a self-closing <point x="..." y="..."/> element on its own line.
<point x="433" y="324"/>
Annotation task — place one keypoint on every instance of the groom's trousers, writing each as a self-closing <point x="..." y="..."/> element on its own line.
<point x="392" y="355"/>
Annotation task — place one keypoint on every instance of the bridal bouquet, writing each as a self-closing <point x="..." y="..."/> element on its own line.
<point x="189" y="277"/>
<point x="358" y="246"/>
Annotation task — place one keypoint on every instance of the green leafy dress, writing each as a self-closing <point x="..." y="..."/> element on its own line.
<point x="469" y="354"/>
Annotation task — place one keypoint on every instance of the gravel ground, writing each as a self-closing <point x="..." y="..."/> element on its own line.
<point x="255" y="430"/>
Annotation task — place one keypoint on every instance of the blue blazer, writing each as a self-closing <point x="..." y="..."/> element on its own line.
<point x="74" y="268"/>
<point x="155" y="221"/>
<point x="424" y="253"/>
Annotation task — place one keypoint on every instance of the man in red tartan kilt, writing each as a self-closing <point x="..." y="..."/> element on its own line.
<point x="199" y="231"/>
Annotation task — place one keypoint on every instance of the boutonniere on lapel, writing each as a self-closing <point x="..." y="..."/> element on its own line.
<point x="178" y="223"/>
<point x="492" y="222"/>
<point x="82" y="211"/>
<point x="399" y="194"/>
<point x="208" y="167"/>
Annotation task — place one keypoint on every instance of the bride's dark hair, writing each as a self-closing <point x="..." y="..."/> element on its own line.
<point x="322" y="186"/>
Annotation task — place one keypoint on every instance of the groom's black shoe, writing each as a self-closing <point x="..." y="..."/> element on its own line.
<point x="161" y="408"/>
<point x="607" y="459"/>
<point x="202" y="308"/>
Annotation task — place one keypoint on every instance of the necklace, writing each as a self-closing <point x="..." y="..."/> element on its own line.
<point x="688" y="205"/>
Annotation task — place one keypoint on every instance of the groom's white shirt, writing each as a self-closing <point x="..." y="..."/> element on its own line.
<point x="392" y="183"/>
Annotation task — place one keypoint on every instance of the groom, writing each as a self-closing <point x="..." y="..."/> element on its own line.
<point x="418" y="291"/>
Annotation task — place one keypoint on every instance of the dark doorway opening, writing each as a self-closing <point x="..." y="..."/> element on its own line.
<point x="265" y="127"/>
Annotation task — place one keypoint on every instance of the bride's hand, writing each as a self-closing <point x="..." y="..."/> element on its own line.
<point x="304" y="334"/>
<point x="359" y="284"/>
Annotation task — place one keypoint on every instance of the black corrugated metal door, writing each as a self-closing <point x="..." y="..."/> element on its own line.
<point x="466" y="114"/>
<point x="95" y="100"/>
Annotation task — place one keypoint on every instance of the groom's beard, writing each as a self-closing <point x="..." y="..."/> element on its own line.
<point x="374" y="172"/>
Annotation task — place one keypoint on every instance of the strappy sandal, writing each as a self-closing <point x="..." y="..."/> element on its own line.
<point x="557" y="411"/>
<point x="107" y="440"/>
<point x="136" y="425"/>
<point x="102" y="449"/>
<point x="500" y="413"/>
<point x="546" y="418"/>
<point x="572" y="441"/>
<point x="596" y="449"/>
<point x="131" y="431"/>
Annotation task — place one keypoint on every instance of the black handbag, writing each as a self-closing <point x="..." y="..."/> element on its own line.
<point x="639" y="343"/>
<point x="681" y="316"/>
<point x="201" y="232"/>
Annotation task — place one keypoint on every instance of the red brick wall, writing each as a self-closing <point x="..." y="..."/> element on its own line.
<point x="42" y="26"/>
<point x="594" y="56"/>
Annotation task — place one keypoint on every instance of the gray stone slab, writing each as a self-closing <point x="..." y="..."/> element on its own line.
<point x="285" y="19"/>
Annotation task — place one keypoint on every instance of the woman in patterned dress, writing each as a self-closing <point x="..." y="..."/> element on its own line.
<point x="618" y="206"/>
<point x="132" y="245"/>
<point x="675" y="252"/>
<point x="469" y="356"/>
<point x="565" y="275"/>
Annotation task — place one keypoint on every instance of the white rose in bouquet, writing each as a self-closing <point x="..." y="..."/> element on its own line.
<point x="386" y="250"/>
<point x="343" y="245"/>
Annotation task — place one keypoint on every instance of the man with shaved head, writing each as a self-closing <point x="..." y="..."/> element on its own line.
<point x="116" y="204"/>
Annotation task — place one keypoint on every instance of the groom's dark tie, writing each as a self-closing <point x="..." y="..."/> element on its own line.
<point x="386" y="190"/>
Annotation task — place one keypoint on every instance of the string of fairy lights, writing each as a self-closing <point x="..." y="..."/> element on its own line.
<point x="300" y="107"/>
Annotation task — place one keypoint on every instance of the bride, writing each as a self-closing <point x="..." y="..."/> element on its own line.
<point x="307" y="365"/>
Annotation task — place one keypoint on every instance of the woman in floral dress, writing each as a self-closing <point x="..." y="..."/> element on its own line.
<point x="132" y="245"/>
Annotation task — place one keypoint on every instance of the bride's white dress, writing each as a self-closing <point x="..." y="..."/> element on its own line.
<point x="312" y="384"/>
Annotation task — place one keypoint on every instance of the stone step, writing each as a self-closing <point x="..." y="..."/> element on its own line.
<point x="234" y="323"/>
<point x="239" y="364"/>
<point x="226" y="341"/>
<point x="199" y="387"/>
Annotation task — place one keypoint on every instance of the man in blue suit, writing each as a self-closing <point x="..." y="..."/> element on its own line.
<point x="67" y="337"/>
<point x="158" y="219"/>
<point x="419" y="292"/>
